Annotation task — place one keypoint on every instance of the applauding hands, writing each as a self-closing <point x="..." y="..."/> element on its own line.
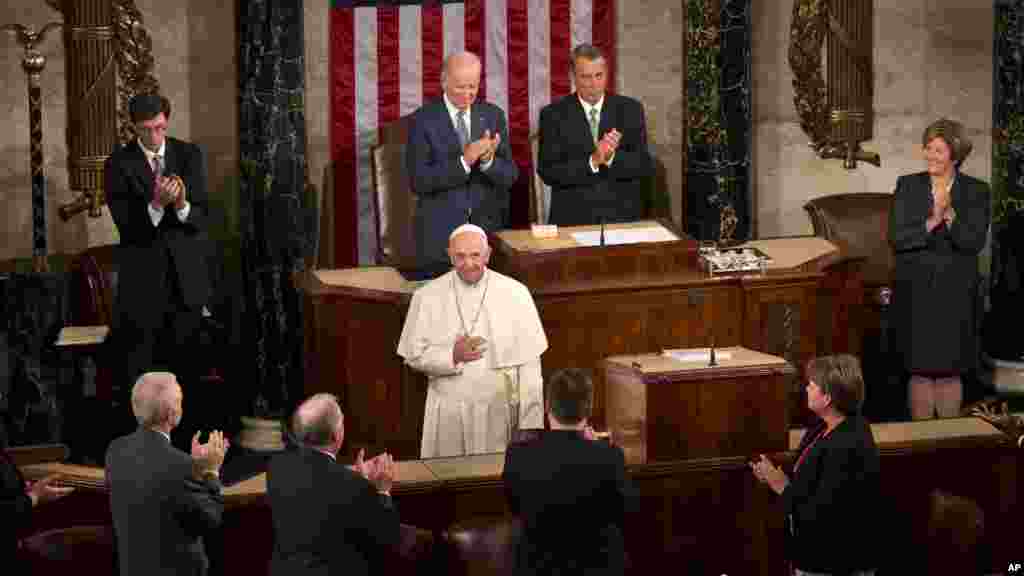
<point x="942" y="208"/>
<point x="169" y="190"/>
<point x="379" y="470"/>
<point x="208" y="458"/>
<point x="606" y="147"/>
<point x="482" y="150"/>
<point x="768" y="473"/>
<point x="46" y="490"/>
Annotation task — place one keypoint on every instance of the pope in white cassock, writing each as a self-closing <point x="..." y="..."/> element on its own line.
<point x="477" y="336"/>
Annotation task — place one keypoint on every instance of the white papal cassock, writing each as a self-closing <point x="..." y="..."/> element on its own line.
<point x="467" y="410"/>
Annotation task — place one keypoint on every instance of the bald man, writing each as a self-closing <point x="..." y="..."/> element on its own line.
<point x="329" y="518"/>
<point x="163" y="501"/>
<point x="477" y="336"/>
<point x="459" y="163"/>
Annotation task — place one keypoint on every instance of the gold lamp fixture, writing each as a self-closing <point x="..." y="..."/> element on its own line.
<point x="837" y="115"/>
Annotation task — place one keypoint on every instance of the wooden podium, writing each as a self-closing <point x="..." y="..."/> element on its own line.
<point x="594" y="302"/>
<point x="662" y="408"/>
<point x="551" y="262"/>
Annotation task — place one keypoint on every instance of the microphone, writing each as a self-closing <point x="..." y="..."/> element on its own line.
<point x="602" y="231"/>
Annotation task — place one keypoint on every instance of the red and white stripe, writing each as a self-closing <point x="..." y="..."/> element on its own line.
<point x="386" y="62"/>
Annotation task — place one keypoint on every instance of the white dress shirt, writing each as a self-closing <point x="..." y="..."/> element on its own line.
<point x="157" y="214"/>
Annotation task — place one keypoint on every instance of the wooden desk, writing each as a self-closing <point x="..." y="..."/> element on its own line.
<point x="540" y="262"/>
<point x="795" y="310"/>
<point x="661" y="409"/>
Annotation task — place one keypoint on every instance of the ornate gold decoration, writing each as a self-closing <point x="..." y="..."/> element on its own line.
<point x="134" y="50"/>
<point x="109" y="60"/>
<point x="837" y="116"/>
<point x="33" y="63"/>
<point x="996" y="412"/>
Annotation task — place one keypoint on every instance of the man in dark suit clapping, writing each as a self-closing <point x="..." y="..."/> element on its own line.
<point x="156" y="191"/>
<point x="459" y="163"/>
<point x="569" y="489"/>
<point x="593" y="149"/>
<point x="329" y="518"/>
<point x="163" y="501"/>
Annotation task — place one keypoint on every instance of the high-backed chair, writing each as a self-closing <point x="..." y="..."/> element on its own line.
<point x="482" y="546"/>
<point x="956" y="536"/>
<point x="859" y="225"/>
<point x="394" y="205"/>
<point x="414" y="553"/>
<point x="540" y="193"/>
<point x="95" y="274"/>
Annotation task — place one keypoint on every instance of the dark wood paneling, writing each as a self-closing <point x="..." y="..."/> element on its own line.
<point x="699" y="516"/>
<point x="352" y="333"/>
<point x="585" y="329"/>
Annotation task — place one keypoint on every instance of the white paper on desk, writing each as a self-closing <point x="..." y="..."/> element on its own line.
<point x="79" y="335"/>
<point x="624" y="236"/>
<point x="702" y="355"/>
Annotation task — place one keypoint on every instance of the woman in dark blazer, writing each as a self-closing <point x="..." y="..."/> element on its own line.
<point x="832" y="494"/>
<point x="937" y="226"/>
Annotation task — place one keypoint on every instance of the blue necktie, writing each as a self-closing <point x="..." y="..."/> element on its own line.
<point x="460" y="128"/>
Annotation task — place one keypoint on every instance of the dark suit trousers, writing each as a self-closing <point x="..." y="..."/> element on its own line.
<point x="173" y="346"/>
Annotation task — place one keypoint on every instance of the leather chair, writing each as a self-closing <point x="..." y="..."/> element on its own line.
<point x="95" y="276"/>
<point x="482" y="546"/>
<point x="394" y="205"/>
<point x="956" y="541"/>
<point x="86" y="549"/>
<point x="94" y="281"/>
<point x="414" y="553"/>
<point x="859" y="225"/>
<point x="540" y="193"/>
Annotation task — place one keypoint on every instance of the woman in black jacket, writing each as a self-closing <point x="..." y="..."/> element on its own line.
<point x="937" y="226"/>
<point x="831" y="496"/>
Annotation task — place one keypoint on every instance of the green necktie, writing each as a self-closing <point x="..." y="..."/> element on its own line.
<point x="593" y="123"/>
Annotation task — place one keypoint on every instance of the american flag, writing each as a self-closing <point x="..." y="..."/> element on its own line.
<point x="385" y="61"/>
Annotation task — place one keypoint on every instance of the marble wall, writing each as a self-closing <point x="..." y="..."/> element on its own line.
<point x="195" y="48"/>
<point x="932" y="58"/>
<point x="651" y="69"/>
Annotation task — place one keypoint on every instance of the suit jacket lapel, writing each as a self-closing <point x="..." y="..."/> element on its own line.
<point x="476" y="129"/>
<point x="143" y="171"/>
<point x="170" y="159"/>
<point x="448" y="126"/>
